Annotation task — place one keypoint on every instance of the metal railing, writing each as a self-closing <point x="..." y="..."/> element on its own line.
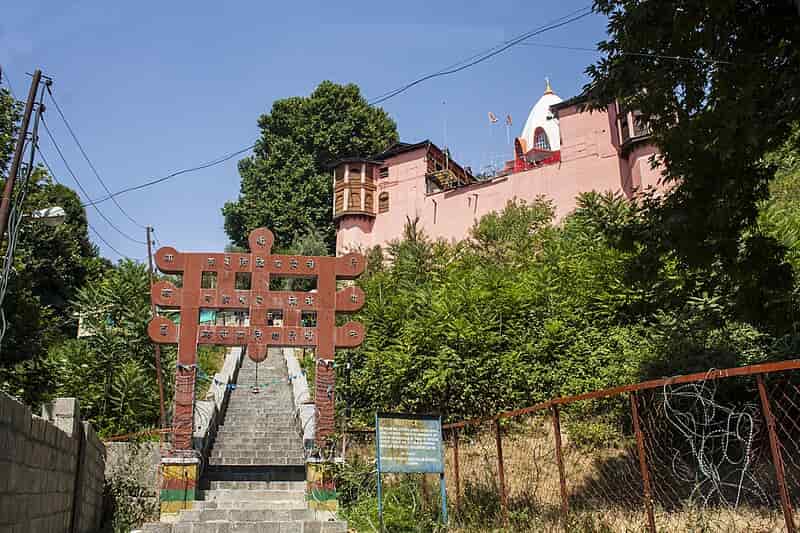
<point x="712" y="451"/>
<point x="719" y="449"/>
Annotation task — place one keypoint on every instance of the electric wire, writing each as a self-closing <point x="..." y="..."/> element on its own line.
<point x="558" y="23"/>
<point x="637" y="54"/>
<point x="80" y="185"/>
<point x="155" y="181"/>
<point x="451" y="69"/>
<point x="86" y="157"/>
<point x="97" y="233"/>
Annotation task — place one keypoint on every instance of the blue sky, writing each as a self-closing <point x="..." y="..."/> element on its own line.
<point x="153" y="87"/>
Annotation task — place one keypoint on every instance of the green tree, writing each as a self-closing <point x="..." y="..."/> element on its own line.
<point x="286" y="184"/>
<point x="10" y="115"/>
<point x="717" y="83"/>
<point x="779" y="215"/>
<point x="50" y="265"/>
<point x="111" y="371"/>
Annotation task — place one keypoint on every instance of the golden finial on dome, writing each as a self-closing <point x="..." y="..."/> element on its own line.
<point x="547" y="88"/>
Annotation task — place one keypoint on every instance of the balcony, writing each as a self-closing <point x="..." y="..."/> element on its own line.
<point x="632" y="128"/>
<point x="444" y="180"/>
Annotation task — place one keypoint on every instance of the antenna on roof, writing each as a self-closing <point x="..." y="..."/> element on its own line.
<point x="444" y="120"/>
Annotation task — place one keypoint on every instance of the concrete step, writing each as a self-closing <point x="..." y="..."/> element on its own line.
<point x="279" y="505"/>
<point x="273" y="409"/>
<point x="265" y="447"/>
<point x="253" y="473"/>
<point x="257" y="494"/>
<point x="277" y="408"/>
<point x="246" y="515"/>
<point x="284" y="486"/>
<point x="276" y="431"/>
<point x="265" y="457"/>
<point x="272" y="436"/>
<point x="256" y="461"/>
<point x="229" y="438"/>
<point x="258" y="457"/>
<point x="271" y="447"/>
<point x="243" y="394"/>
<point x="257" y="426"/>
<point x="264" y="418"/>
<point x="259" y="423"/>
<point x="264" y="496"/>
<point x="309" y="526"/>
<point x="289" y="437"/>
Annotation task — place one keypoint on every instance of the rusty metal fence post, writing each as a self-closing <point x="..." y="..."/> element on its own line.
<point x="648" y="499"/>
<point x="777" y="459"/>
<point x="560" y="460"/>
<point x="501" y="474"/>
<point x="456" y="473"/>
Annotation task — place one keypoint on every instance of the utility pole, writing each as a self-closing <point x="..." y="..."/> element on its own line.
<point x="8" y="190"/>
<point x="157" y="347"/>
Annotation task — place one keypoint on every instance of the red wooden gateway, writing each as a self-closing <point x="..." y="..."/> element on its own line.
<point x="241" y="282"/>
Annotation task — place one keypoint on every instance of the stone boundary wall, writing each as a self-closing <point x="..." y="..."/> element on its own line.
<point x="51" y="469"/>
<point x="139" y="461"/>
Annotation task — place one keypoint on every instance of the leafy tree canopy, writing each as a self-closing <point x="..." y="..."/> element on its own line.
<point x="50" y="265"/>
<point x="719" y="85"/>
<point x="714" y="113"/>
<point x="286" y="184"/>
<point x="527" y="310"/>
<point x="10" y="115"/>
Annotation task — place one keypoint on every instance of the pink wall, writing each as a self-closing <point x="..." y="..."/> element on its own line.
<point x="589" y="161"/>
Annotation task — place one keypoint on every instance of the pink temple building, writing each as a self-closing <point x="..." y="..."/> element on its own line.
<point x="562" y="152"/>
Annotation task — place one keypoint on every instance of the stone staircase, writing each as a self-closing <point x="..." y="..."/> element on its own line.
<point x="255" y="477"/>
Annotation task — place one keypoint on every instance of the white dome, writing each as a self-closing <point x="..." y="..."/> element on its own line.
<point x="541" y="117"/>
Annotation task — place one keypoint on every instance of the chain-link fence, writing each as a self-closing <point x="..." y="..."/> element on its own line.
<point x="718" y="451"/>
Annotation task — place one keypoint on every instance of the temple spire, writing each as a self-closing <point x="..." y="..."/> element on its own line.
<point x="547" y="88"/>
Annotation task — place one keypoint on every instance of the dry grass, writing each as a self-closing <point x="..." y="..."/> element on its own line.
<point x="603" y="484"/>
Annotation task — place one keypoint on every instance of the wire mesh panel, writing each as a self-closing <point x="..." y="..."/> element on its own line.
<point x="479" y="498"/>
<point x="717" y="451"/>
<point x="708" y="456"/>
<point x="531" y="471"/>
<point x="603" y="477"/>
<point x="783" y="392"/>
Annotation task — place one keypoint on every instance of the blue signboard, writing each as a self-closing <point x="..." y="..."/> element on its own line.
<point x="409" y="444"/>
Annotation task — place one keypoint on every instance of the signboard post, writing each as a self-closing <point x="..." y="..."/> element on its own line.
<point x="409" y="444"/>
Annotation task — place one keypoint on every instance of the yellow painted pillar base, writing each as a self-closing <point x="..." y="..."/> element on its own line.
<point x="178" y="485"/>
<point x="320" y="487"/>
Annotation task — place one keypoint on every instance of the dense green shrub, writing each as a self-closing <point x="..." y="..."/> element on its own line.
<point x="527" y="310"/>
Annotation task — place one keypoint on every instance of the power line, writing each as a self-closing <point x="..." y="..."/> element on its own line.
<point x="637" y="54"/>
<point x="452" y="69"/>
<point x="155" y="181"/>
<point x="562" y="21"/>
<point x="86" y="157"/>
<point x="53" y="175"/>
<point x="80" y="185"/>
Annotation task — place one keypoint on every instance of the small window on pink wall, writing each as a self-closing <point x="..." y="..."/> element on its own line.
<point x="383" y="202"/>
